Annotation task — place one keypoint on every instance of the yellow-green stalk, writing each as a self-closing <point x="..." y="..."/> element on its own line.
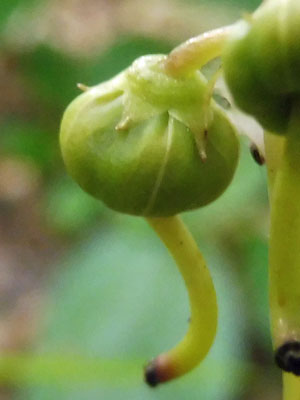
<point x="274" y="145"/>
<point x="291" y="387"/>
<point x="284" y="254"/>
<point x="261" y="65"/>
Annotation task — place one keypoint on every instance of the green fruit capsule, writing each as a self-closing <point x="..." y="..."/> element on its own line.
<point x="262" y="63"/>
<point x="139" y="155"/>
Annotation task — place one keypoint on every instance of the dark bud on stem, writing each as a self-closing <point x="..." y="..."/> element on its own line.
<point x="287" y="357"/>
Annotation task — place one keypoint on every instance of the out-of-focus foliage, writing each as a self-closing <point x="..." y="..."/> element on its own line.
<point x="109" y="296"/>
<point x="54" y="85"/>
<point x="9" y="6"/>
<point x="247" y="5"/>
<point x="127" y="306"/>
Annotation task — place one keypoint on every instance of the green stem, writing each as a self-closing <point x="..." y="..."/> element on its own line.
<point x="274" y="145"/>
<point x="196" y="52"/>
<point x="291" y="387"/>
<point x="285" y="241"/>
<point x="203" y="323"/>
<point x="284" y="255"/>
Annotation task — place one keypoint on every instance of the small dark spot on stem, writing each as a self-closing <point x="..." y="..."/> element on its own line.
<point x="287" y="357"/>
<point x="257" y="156"/>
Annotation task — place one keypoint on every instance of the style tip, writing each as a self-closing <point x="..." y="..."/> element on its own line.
<point x="151" y="375"/>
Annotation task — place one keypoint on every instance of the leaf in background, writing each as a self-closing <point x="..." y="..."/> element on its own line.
<point x="69" y="209"/>
<point x="31" y="141"/>
<point x="255" y="275"/>
<point x="121" y="54"/>
<point x="237" y="213"/>
<point x="243" y="5"/>
<point x="120" y="297"/>
<point x="50" y="75"/>
<point x="7" y="7"/>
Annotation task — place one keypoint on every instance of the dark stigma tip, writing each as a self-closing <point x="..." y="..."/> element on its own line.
<point x="287" y="357"/>
<point x="151" y="376"/>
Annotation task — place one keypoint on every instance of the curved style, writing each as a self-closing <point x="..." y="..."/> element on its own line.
<point x="202" y="296"/>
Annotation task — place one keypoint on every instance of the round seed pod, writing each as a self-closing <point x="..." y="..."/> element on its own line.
<point x="262" y="63"/>
<point x="148" y="164"/>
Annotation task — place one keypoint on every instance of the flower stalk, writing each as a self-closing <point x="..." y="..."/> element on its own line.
<point x="196" y="52"/>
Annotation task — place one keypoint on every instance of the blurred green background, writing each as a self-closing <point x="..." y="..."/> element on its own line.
<point x="87" y="295"/>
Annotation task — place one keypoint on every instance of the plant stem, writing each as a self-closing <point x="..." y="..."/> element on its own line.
<point x="284" y="256"/>
<point x="291" y="387"/>
<point x="196" y="52"/>
<point x="203" y="323"/>
<point x="274" y="145"/>
<point x="285" y="240"/>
